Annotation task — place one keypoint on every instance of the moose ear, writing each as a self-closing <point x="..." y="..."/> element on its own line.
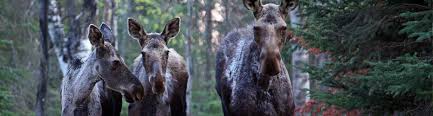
<point x="108" y="34"/>
<point x="286" y="5"/>
<point x="253" y="5"/>
<point x="136" y="31"/>
<point x="171" y="29"/>
<point x="95" y="36"/>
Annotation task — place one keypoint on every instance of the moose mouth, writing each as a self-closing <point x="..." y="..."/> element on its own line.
<point x="134" y="94"/>
<point x="128" y="98"/>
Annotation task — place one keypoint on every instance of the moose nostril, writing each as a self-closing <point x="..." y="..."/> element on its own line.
<point x="116" y="62"/>
<point x="139" y="96"/>
<point x="140" y="91"/>
<point x="278" y="57"/>
<point x="128" y="97"/>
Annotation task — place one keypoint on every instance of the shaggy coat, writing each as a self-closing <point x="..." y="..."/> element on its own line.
<point x="172" y="101"/>
<point x="94" y="87"/>
<point x="252" y="79"/>
<point x="161" y="71"/>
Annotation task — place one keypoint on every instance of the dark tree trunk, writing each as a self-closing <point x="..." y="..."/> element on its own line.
<point x="188" y="45"/>
<point x="208" y="37"/>
<point x="42" y="87"/>
<point x="226" y="4"/>
<point x="89" y="12"/>
<point x="109" y="6"/>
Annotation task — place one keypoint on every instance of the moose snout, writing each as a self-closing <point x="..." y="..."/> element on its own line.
<point x="271" y="65"/>
<point x="133" y="93"/>
<point x="157" y="83"/>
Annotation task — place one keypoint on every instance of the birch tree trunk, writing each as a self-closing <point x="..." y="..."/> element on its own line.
<point x="74" y="44"/>
<point x="188" y="55"/>
<point x="42" y="86"/>
<point x="299" y="78"/>
<point x="300" y="57"/>
<point x="57" y="35"/>
<point x="77" y="44"/>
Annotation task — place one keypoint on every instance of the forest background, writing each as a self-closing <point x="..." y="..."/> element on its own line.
<point x="367" y="56"/>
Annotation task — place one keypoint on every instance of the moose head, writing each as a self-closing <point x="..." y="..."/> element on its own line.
<point x="270" y="32"/>
<point x="154" y="51"/>
<point x="110" y="67"/>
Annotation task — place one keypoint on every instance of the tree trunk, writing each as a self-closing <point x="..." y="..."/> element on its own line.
<point x="109" y="19"/>
<point x="57" y="35"/>
<point x="123" y="36"/>
<point x="188" y="45"/>
<point x="108" y="12"/>
<point x="77" y="45"/>
<point x="300" y="80"/>
<point x="226" y="4"/>
<point x="208" y="37"/>
<point x="42" y="87"/>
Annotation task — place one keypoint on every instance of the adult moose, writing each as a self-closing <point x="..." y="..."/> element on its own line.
<point x="161" y="70"/>
<point x="86" y="90"/>
<point x="251" y="77"/>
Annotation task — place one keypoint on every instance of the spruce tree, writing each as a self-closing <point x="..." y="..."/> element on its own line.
<point x="381" y="53"/>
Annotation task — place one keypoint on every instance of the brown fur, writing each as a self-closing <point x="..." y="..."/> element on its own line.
<point x="252" y="80"/>
<point x="162" y="72"/>
<point x="88" y="88"/>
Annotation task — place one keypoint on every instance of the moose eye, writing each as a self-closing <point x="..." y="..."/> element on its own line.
<point x="257" y="28"/>
<point x="166" y="53"/>
<point x="143" y="56"/>
<point x="282" y="28"/>
<point x="165" y="56"/>
<point x="116" y="63"/>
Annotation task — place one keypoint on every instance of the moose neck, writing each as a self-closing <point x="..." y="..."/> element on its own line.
<point x="85" y="80"/>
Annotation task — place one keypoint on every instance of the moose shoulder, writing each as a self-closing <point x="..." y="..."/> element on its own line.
<point x="161" y="70"/>
<point x="252" y="80"/>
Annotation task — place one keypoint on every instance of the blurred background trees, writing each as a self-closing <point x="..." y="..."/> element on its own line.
<point x="371" y="55"/>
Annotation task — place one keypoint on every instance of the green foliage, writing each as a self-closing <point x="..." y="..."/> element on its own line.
<point x="5" y="103"/>
<point x="420" y="27"/>
<point x="5" y="94"/>
<point x="376" y="64"/>
<point x="206" y="106"/>
<point x="388" y="85"/>
<point x="19" y="32"/>
<point x="8" y="97"/>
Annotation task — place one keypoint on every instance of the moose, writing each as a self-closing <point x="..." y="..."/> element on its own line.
<point x="92" y="86"/>
<point x="161" y="71"/>
<point x="252" y="79"/>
